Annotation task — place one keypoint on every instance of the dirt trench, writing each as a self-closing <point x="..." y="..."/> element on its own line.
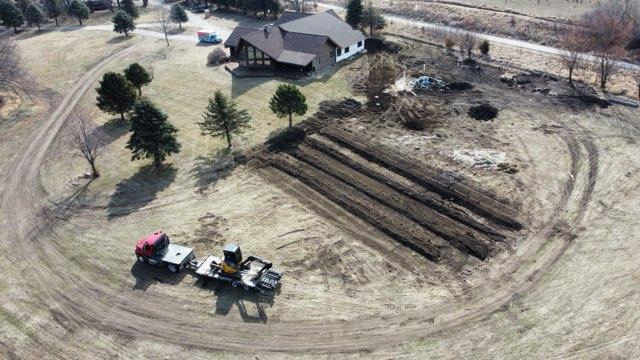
<point x="432" y="214"/>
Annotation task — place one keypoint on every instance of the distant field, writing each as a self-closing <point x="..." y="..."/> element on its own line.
<point x="544" y="8"/>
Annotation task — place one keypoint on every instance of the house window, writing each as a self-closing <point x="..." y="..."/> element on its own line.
<point x="359" y="43"/>
<point x="339" y="51"/>
<point x="255" y="57"/>
<point x="346" y="50"/>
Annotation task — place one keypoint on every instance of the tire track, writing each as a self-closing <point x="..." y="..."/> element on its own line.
<point x="90" y="304"/>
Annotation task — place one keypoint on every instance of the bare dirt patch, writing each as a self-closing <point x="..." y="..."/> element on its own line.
<point x="349" y="288"/>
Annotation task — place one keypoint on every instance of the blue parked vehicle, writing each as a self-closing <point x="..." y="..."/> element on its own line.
<point x="209" y="36"/>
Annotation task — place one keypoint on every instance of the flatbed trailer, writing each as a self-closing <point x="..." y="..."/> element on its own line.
<point x="257" y="274"/>
<point x="251" y="274"/>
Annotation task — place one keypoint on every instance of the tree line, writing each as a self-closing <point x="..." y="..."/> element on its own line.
<point x="364" y="17"/>
<point x="255" y="7"/>
<point x="600" y="40"/>
<point x="16" y="13"/>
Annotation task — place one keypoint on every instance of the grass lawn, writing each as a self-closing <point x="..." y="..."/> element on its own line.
<point x="182" y="85"/>
<point x="57" y="58"/>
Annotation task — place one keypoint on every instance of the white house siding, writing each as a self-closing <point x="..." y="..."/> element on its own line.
<point x="353" y="49"/>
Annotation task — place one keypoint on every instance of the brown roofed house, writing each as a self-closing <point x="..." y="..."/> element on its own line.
<point x="299" y="42"/>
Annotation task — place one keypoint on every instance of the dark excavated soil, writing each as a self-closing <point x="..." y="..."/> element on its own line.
<point x="425" y="210"/>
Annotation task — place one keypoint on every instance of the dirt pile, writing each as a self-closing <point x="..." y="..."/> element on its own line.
<point x="339" y="109"/>
<point x="483" y="112"/>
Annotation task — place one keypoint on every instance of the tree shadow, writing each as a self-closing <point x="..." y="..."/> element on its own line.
<point x="71" y="27"/>
<point x="113" y="130"/>
<point x="140" y="189"/>
<point x="250" y="304"/>
<point x="582" y="98"/>
<point x="240" y="85"/>
<point x="175" y="31"/>
<point x="205" y="44"/>
<point x="147" y="275"/>
<point x="64" y="209"/>
<point x="33" y="32"/>
<point x="118" y="39"/>
<point x="209" y="169"/>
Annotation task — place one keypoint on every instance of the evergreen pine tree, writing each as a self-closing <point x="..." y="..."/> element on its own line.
<point x="222" y="119"/>
<point x="138" y="76"/>
<point x="152" y="136"/>
<point x="35" y="15"/>
<point x="288" y="100"/>
<point x="54" y="9"/>
<point x="354" y="13"/>
<point x="116" y="95"/>
<point x="123" y="23"/>
<point x="130" y="8"/>
<point x="79" y="10"/>
<point x="10" y="15"/>
<point x="178" y="15"/>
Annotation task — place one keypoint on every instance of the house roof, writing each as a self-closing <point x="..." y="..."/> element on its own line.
<point x="269" y="39"/>
<point x="289" y="15"/>
<point x="236" y="34"/>
<point x="325" y="24"/>
<point x="296" y="57"/>
<point x="297" y="37"/>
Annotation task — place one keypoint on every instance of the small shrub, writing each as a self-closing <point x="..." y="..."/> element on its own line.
<point x="449" y="43"/>
<point x="484" y="47"/>
<point x="483" y="112"/>
<point x="416" y="124"/>
<point x="217" y="56"/>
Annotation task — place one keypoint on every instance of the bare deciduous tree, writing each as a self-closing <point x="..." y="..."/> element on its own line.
<point x="87" y="139"/>
<point x="12" y="76"/>
<point x="608" y="29"/>
<point x="571" y="59"/>
<point x="301" y="5"/>
<point x="163" y="17"/>
<point x="467" y="42"/>
<point x="572" y="56"/>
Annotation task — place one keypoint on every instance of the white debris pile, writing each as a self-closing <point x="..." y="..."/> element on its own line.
<point x="409" y="84"/>
<point x="428" y="82"/>
<point x="402" y="84"/>
<point x="480" y="158"/>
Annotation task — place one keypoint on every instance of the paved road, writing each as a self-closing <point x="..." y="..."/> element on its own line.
<point x="492" y="38"/>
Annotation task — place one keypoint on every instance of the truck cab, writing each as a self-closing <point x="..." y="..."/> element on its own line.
<point x="209" y="36"/>
<point x="156" y="249"/>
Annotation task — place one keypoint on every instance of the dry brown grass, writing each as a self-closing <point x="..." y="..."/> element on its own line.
<point x="182" y="85"/>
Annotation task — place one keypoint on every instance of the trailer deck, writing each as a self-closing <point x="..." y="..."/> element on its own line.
<point x="251" y="273"/>
<point x="257" y="276"/>
<point x="178" y="254"/>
